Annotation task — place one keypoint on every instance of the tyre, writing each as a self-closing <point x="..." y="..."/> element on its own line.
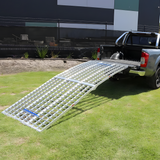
<point x="154" y="81"/>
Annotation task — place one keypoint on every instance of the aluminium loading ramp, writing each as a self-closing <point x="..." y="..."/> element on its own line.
<point x="43" y="106"/>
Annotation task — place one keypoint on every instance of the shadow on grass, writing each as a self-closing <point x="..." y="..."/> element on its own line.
<point x="125" y="87"/>
<point x="107" y="92"/>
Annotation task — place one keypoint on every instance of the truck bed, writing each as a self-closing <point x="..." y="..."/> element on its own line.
<point x="131" y="64"/>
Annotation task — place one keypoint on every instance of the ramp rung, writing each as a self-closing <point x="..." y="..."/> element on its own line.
<point x="43" y="106"/>
<point x="73" y="80"/>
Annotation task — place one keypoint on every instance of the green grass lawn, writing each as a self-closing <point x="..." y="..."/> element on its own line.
<point x="120" y="120"/>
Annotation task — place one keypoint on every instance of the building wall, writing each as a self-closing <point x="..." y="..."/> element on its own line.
<point x="149" y="13"/>
<point x="126" y="15"/>
<point x="115" y="15"/>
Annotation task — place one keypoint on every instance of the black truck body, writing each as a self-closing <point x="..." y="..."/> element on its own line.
<point x="140" y="51"/>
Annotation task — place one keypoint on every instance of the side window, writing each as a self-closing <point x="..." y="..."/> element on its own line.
<point x="133" y="40"/>
<point x="152" y="41"/>
<point x="136" y="40"/>
<point x="142" y="40"/>
<point x="129" y="40"/>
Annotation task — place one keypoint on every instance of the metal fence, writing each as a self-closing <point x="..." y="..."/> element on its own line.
<point x="148" y="28"/>
<point x="12" y="27"/>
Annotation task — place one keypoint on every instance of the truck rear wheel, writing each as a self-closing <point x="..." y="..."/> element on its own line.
<point x="154" y="81"/>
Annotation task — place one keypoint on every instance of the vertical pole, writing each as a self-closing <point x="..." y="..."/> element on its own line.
<point x="58" y="31"/>
<point x="144" y="28"/>
<point x="106" y="33"/>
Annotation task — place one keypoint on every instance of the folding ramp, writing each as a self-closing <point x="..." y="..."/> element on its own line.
<point x="43" y="106"/>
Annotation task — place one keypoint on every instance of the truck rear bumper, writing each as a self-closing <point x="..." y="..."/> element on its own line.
<point x="139" y="72"/>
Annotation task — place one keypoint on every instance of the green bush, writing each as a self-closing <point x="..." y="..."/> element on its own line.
<point x="54" y="55"/>
<point x="42" y="52"/>
<point x="94" y="55"/>
<point x="26" y="55"/>
<point x="70" y="55"/>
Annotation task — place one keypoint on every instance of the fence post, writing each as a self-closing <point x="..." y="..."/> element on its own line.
<point x="58" y="30"/>
<point x="144" y="28"/>
<point x="106" y="32"/>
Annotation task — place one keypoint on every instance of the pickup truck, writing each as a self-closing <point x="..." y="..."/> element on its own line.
<point x="140" y="51"/>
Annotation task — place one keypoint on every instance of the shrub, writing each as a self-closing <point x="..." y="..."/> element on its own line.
<point x="94" y="55"/>
<point x="70" y="55"/>
<point x="54" y="55"/>
<point x="26" y="55"/>
<point x="42" y="52"/>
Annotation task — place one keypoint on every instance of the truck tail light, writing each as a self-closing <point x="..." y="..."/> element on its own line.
<point x="144" y="59"/>
<point x="98" y="54"/>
